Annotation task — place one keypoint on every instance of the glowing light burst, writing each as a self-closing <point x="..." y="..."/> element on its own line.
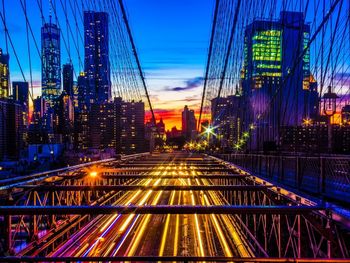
<point x="307" y="122"/>
<point x="210" y="130"/>
<point x="93" y="174"/>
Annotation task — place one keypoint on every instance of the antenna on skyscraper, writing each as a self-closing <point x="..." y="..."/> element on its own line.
<point x="236" y="91"/>
<point x="50" y="11"/>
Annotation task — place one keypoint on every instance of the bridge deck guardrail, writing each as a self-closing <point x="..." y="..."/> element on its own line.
<point x="327" y="177"/>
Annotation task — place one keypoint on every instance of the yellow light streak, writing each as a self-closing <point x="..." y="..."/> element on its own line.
<point x="126" y="223"/>
<point x="82" y="249"/>
<point x="108" y="223"/>
<point x="109" y="249"/>
<point x="176" y="239"/>
<point x="166" y="226"/>
<point x="222" y="238"/>
<point x="143" y="228"/>
<point x="199" y="236"/>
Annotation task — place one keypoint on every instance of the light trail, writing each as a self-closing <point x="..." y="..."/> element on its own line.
<point x="243" y="251"/>
<point x="116" y="250"/>
<point x="140" y="233"/>
<point x="198" y="231"/>
<point x="166" y="226"/>
<point x="176" y="235"/>
<point x="100" y="238"/>
<point x="176" y="239"/>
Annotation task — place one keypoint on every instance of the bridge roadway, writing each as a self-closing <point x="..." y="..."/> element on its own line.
<point x="162" y="235"/>
<point x="169" y="206"/>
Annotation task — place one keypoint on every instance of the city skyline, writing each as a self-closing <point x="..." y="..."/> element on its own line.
<point x="172" y="47"/>
<point x="182" y="131"/>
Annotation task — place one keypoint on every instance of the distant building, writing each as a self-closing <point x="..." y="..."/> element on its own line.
<point x="68" y="79"/>
<point x="11" y="129"/>
<point x="44" y="153"/>
<point x="65" y="118"/>
<point x="161" y="128"/>
<point x="41" y="126"/>
<point x="226" y="118"/>
<point x="96" y="62"/>
<point x="132" y="135"/>
<point x="345" y="115"/>
<point x="39" y="109"/>
<point x="189" y="123"/>
<point x="173" y="133"/>
<point x="116" y="125"/>
<point x="313" y="139"/>
<point x="81" y="129"/>
<point x="102" y="125"/>
<point x="51" y="62"/>
<point x="82" y="91"/>
<point x="271" y="53"/>
<point x="4" y="75"/>
<point x="20" y="92"/>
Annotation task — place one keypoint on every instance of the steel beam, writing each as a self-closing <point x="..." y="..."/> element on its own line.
<point x="155" y="169"/>
<point x="41" y="188"/>
<point x="159" y="209"/>
<point x="167" y="259"/>
<point x="168" y="176"/>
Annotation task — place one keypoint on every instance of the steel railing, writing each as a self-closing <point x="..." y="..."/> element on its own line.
<point x="322" y="176"/>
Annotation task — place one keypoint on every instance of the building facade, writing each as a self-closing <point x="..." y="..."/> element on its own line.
<point x="277" y="85"/>
<point x="11" y="129"/>
<point x="68" y="79"/>
<point x="132" y="127"/>
<point x="96" y="61"/>
<point x="226" y="118"/>
<point x="189" y="129"/>
<point x="4" y="75"/>
<point x="51" y="62"/>
<point x="20" y="92"/>
<point x="345" y="115"/>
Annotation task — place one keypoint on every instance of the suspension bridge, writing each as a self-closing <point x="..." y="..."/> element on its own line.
<point x="238" y="198"/>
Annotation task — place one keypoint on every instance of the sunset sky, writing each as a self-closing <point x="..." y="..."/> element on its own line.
<point x="172" y="38"/>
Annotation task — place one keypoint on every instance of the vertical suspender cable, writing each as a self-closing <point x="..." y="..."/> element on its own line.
<point x="208" y="62"/>
<point x="137" y="59"/>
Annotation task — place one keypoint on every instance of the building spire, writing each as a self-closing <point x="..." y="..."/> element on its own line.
<point x="50" y="12"/>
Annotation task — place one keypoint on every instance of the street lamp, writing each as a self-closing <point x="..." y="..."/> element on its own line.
<point x="93" y="173"/>
<point x="209" y="131"/>
<point x="329" y="109"/>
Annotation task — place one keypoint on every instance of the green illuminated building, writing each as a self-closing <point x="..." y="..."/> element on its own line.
<point x="276" y="74"/>
<point x="4" y="75"/>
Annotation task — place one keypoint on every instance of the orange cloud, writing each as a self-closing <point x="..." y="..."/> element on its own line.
<point x="173" y="117"/>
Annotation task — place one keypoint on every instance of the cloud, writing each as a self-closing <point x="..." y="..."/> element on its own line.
<point x="342" y="78"/>
<point x="192" y="98"/>
<point x="190" y="84"/>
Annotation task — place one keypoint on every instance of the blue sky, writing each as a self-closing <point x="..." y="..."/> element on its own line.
<point x="171" y="37"/>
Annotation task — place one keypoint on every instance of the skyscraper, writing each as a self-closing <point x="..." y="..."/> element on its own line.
<point x="68" y="79"/>
<point x="345" y="115"/>
<point x="82" y="90"/>
<point x="4" y="75"/>
<point x="51" y="62"/>
<point x="276" y="75"/>
<point x="226" y="118"/>
<point x="20" y="92"/>
<point x="188" y="123"/>
<point x="96" y="62"/>
<point x="131" y="126"/>
<point x="11" y="129"/>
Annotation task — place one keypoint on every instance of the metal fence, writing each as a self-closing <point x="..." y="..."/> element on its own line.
<point x="321" y="176"/>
